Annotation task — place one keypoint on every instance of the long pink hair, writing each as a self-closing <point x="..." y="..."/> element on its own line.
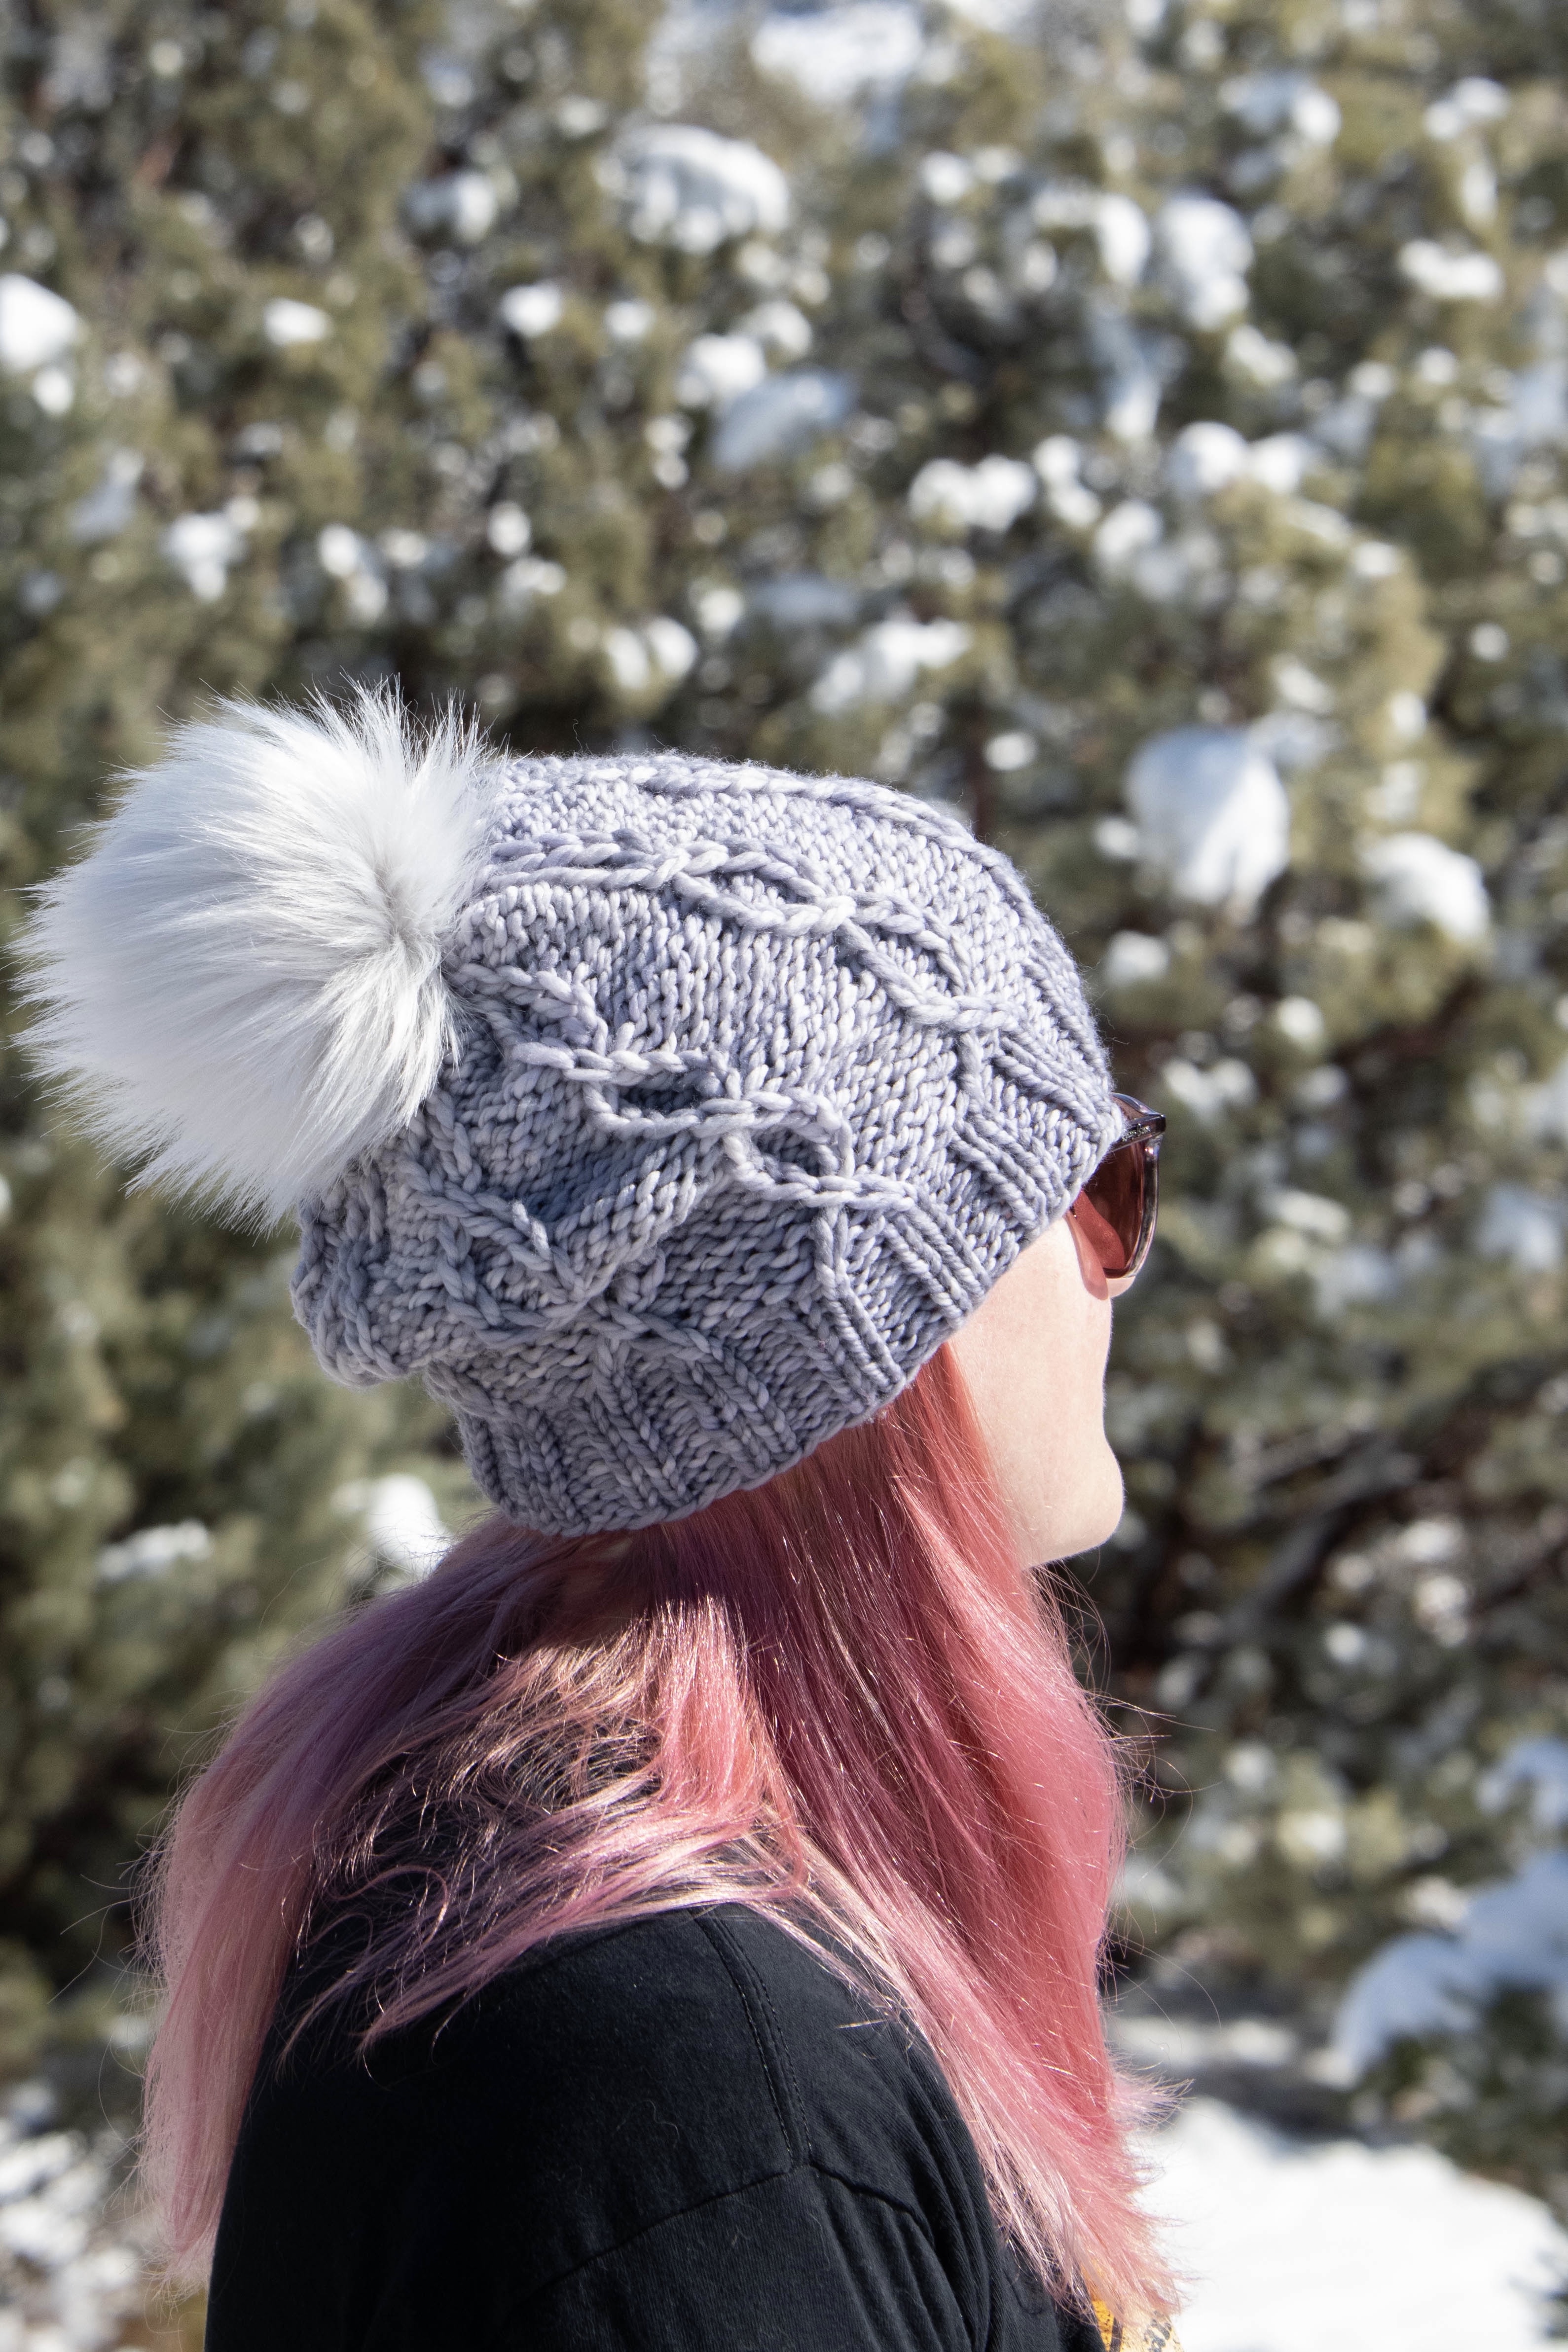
<point x="841" y="1697"/>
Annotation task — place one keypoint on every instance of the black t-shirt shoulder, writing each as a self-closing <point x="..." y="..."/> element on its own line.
<point x="684" y="2134"/>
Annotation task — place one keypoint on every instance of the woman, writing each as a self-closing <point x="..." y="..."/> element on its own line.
<point x="675" y="1923"/>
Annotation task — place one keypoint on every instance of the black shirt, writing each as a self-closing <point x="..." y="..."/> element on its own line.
<point x="684" y="2135"/>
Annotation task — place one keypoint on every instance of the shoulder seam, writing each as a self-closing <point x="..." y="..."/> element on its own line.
<point x="772" y="2048"/>
<point x="877" y="2197"/>
<point x="720" y="2196"/>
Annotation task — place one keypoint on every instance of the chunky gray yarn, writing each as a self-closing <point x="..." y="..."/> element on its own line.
<point x="759" y="1083"/>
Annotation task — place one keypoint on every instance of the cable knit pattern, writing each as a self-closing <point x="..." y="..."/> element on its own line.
<point x="759" y="1082"/>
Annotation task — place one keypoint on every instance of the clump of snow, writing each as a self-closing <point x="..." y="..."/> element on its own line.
<point x="1296" y="2245"/>
<point x="152" y="1552"/>
<point x="507" y="528"/>
<point x="1225" y="1086"/>
<point x="107" y="508"/>
<point x="344" y="556"/>
<point x="1406" y="715"/>
<point x="1205" y="253"/>
<point x="1374" y="559"/>
<point x="1313" y="1213"/>
<point x="1057" y="461"/>
<point x="36" y="328"/>
<point x="38" y="592"/>
<point x="686" y="187"/>
<point x="1283" y="100"/>
<point x="887" y="661"/>
<point x="1121" y="227"/>
<point x="1347" y="426"/>
<point x="1116" y="839"/>
<point x="861" y="48"/>
<point x="55" y="390"/>
<point x="628" y="319"/>
<point x="1527" y="407"/>
<point x="1007" y="752"/>
<point x="781" y="327"/>
<point x="1131" y="545"/>
<point x="530" y="310"/>
<point x="631" y="665"/>
<point x="1477" y="192"/>
<point x="1545" y="1106"/>
<point x="406" y="551"/>
<point x="1419" y="880"/>
<point x="719" y="609"/>
<point x="1179" y="2046"/>
<point x="402" y="1520"/>
<point x="1539" y="1766"/>
<point x="946" y="179"/>
<point x="447" y="78"/>
<point x="781" y="415"/>
<point x="1523" y="1226"/>
<point x="578" y="116"/>
<point x="1300" y="1019"/>
<point x="286" y="323"/>
<point x="460" y="204"/>
<point x="203" y="548"/>
<point x="529" y="577"/>
<point x="1252" y="355"/>
<point x="671" y="646"/>
<point x="714" y="370"/>
<point x="1298" y="687"/>
<point x="1208" y="458"/>
<point x="1132" y="958"/>
<point x="667" y="437"/>
<point x="1126" y="532"/>
<point x="1472" y="102"/>
<point x="652" y="659"/>
<point x="1205" y="458"/>
<point x="799" y="600"/>
<point x="1425" y="1542"/>
<point x="1131" y="361"/>
<point x="1513" y="1935"/>
<point x="1449" y="276"/>
<point x="987" y="497"/>
<point x="1359" y="1276"/>
<point x="1212" y="813"/>
<point x="1325" y="524"/>
<point x="1320" y="1088"/>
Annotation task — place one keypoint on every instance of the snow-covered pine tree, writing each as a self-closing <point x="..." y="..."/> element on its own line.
<point x="203" y="290"/>
<point x="1206" y="512"/>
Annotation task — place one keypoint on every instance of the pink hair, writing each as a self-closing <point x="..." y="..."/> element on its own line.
<point x="839" y="1695"/>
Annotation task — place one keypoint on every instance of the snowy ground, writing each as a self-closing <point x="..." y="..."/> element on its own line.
<point x="69" y="2273"/>
<point x="1305" y="2246"/>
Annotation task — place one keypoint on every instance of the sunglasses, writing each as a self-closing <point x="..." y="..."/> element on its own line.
<point x="1114" y="1212"/>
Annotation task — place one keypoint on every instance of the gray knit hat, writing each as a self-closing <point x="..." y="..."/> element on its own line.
<point x="664" y="1114"/>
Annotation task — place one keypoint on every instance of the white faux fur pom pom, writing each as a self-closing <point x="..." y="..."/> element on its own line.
<point x="241" y="981"/>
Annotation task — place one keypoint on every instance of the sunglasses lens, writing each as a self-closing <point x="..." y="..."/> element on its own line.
<point x="1110" y="1209"/>
<point x="1113" y="1209"/>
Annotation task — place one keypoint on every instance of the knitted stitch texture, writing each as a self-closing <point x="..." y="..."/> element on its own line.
<point x="759" y="1082"/>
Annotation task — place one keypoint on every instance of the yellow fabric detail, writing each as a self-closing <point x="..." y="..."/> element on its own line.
<point x="1157" y="2335"/>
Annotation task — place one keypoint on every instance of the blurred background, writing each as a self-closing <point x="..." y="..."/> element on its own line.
<point x="1143" y="427"/>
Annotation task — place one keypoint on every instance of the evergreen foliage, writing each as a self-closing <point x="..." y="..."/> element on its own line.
<point x="1149" y="435"/>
